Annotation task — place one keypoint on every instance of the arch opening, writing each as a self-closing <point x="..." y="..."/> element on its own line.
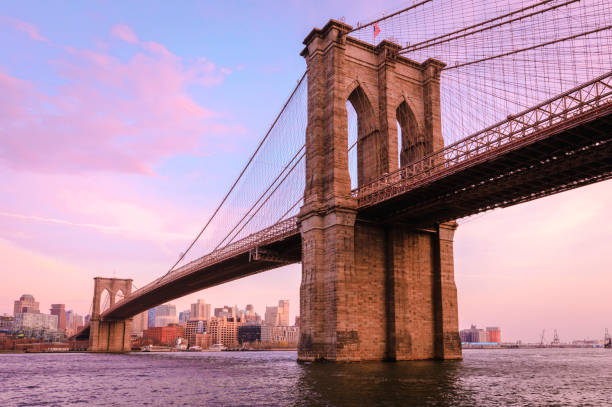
<point x="411" y="144"/>
<point x="119" y="296"/>
<point x="105" y="300"/>
<point x="363" y="139"/>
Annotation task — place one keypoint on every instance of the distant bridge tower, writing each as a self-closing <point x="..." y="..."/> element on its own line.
<point x="109" y="335"/>
<point x="370" y="289"/>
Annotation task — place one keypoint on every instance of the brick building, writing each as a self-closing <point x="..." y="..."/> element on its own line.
<point x="224" y="330"/>
<point x="164" y="335"/>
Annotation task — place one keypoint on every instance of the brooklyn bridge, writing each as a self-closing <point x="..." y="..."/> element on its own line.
<point x="399" y="126"/>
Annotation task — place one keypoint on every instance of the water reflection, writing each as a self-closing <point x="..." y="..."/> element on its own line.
<point x="525" y="377"/>
<point x="374" y="383"/>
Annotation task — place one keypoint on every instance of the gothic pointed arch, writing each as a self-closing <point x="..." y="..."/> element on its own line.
<point x="411" y="140"/>
<point x="105" y="300"/>
<point x="368" y="136"/>
<point x="119" y="296"/>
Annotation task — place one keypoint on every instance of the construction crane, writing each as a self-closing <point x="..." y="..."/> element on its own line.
<point x="542" y="338"/>
<point x="555" y="341"/>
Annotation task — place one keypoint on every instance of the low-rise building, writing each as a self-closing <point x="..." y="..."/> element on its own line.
<point x="249" y="333"/>
<point x="164" y="335"/>
<point x="493" y="334"/>
<point x="6" y="323"/>
<point x="193" y="328"/>
<point x="224" y="330"/>
<point x="475" y="335"/>
<point x="280" y="334"/>
<point x="204" y="341"/>
<point x="27" y="321"/>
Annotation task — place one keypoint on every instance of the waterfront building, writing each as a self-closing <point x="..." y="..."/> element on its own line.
<point x="7" y="323"/>
<point x="204" y="340"/>
<point x="280" y="334"/>
<point x="249" y="333"/>
<point x="139" y="323"/>
<point x="224" y="330"/>
<point x="475" y="335"/>
<point x="29" y="322"/>
<point x="493" y="334"/>
<point x="200" y="310"/>
<point x="194" y="327"/>
<point x="26" y="304"/>
<point x="60" y="311"/>
<point x="164" y="335"/>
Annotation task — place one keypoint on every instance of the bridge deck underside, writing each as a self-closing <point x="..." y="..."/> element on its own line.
<point x="574" y="154"/>
<point x="241" y="265"/>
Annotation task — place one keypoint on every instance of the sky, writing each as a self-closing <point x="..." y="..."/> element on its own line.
<point x="122" y="124"/>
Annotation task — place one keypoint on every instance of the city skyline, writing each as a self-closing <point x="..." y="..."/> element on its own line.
<point x="68" y="216"/>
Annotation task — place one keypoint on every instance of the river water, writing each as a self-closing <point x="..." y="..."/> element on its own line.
<point x="525" y="377"/>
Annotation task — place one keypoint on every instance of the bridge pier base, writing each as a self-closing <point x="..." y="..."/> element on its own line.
<point x="109" y="335"/>
<point x="381" y="293"/>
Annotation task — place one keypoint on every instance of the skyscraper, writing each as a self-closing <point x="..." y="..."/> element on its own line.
<point x="226" y="312"/>
<point x="60" y="311"/>
<point x="200" y="310"/>
<point x="73" y="322"/>
<point x="271" y="316"/>
<point x="165" y="314"/>
<point x="184" y="316"/>
<point x="26" y="304"/>
<point x="279" y="315"/>
<point x="140" y="323"/>
<point x="283" y="312"/>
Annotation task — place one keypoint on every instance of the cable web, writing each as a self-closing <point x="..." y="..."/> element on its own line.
<point x="502" y="56"/>
<point x="269" y="188"/>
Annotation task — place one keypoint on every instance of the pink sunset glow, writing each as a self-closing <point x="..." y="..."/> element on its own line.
<point x="112" y="160"/>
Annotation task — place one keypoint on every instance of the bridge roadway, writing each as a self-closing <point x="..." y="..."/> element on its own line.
<point x="555" y="146"/>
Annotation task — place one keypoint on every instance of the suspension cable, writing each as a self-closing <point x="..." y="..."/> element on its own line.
<point x="571" y="37"/>
<point x="182" y="256"/>
<point x="360" y="27"/>
<point x="442" y="39"/>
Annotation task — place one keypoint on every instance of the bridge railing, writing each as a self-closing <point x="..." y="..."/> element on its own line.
<point x="579" y="100"/>
<point x="265" y="236"/>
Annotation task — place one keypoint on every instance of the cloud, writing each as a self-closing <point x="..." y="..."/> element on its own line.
<point x="111" y="114"/>
<point x="60" y="221"/>
<point x="30" y="29"/>
<point x="125" y="33"/>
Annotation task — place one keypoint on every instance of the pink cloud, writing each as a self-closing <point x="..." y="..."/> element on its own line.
<point x="125" y="33"/>
<point x="111" y="114"/>
<point x="30" y="29"/>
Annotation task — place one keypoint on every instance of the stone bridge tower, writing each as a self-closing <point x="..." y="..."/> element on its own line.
<point x="370" y="290"/>
<point x="109" y="335"/>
